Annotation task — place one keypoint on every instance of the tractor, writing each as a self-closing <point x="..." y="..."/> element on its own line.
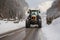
<point x="33" y="18"/>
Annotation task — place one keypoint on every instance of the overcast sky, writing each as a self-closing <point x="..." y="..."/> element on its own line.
<point x="35" y="3"/>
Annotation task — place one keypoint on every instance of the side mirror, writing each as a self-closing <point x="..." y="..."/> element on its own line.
<point x="28" y="12"/>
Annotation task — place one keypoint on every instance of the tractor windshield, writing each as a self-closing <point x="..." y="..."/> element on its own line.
<point x="34" y="13"/>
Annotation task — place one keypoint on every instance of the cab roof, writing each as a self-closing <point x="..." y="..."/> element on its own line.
<point x="33" y="10"/>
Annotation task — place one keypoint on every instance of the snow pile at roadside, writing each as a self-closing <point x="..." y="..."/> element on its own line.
<point x="52" y="32"/>
<point x="9" y="26"/>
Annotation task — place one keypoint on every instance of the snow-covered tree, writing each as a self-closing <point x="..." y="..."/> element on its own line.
<point x="54" y="11"/>
<point x="13" y="8"/>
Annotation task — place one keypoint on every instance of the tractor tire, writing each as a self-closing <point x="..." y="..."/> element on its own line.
<point x="39" y="24"/>
<point x="27" y="24"/>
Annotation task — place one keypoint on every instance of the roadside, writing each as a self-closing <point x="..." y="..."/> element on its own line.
<point x="10" y="26"/>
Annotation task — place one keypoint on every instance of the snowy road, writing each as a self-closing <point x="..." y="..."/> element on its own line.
<point x="24" y="34"/>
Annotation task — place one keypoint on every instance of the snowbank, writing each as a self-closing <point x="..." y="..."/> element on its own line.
<point x="52" y="32"/>
<point x="9" y="26"/>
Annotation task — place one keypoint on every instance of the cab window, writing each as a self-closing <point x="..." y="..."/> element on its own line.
<point x="34" y="13"/>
